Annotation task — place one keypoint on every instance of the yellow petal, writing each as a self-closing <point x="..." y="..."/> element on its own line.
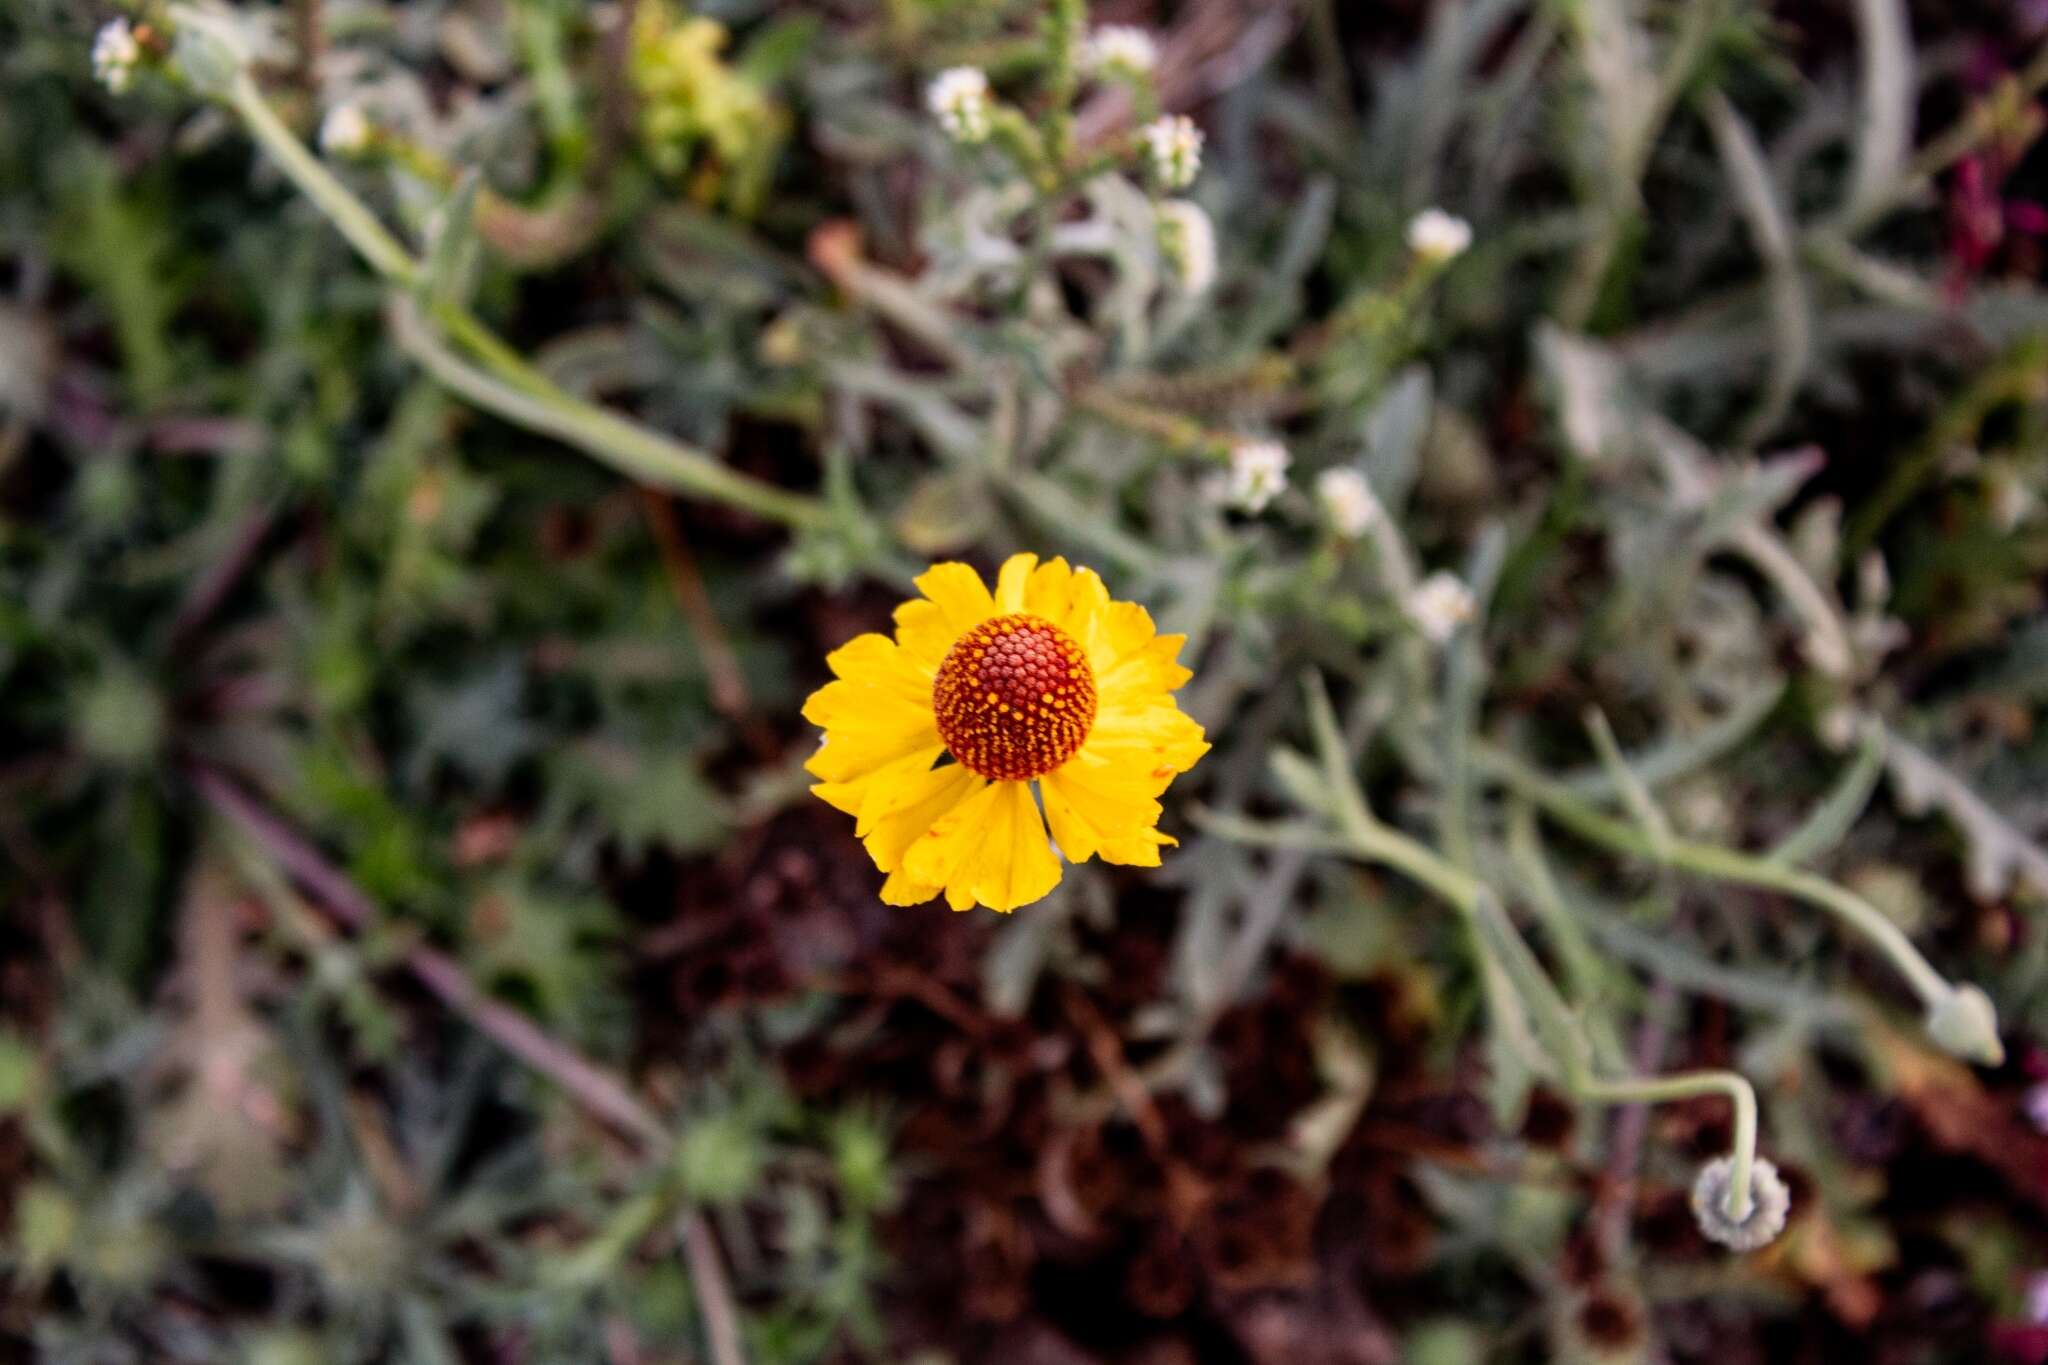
<point x="1117" y="629"/>
<point x="863" y="706"/>
<point x="925" y="633"/>
<point x="934" y="856"/>
<point x="878" y="661"/>
<point x="1137" y="850"/>
<point x="1150" y="668"/>
<point x="891" y="823"/>
<point x="855" y="752"/>
<point x="1094" y="807"/>
<point x="1157" y="738"/>
<point x="855" y="794"/>
<point x="957" y="590"/>
<point x="1014" y="864"/>
<point x="1011" y="582"/>
<point x="989" y="848"/>
<point x="894" y="789"/>
<point x="1048" y="593"/>
<point x="901" y="890"/>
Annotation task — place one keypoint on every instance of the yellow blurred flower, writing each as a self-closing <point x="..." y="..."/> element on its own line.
<point x="695" y="109"/>
<point x="934" y="738"/>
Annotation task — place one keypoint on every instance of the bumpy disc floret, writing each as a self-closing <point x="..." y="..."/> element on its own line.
<point x="1014" y="698"/>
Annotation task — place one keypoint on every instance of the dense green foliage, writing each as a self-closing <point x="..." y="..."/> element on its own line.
<point x="420" y="945"/>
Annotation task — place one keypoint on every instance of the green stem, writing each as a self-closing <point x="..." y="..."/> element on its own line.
<point x="1690" y="1085"/>
<point x="1501" y="943"/>
<point x="506" y="384"/>
<point x="641" y="454"/>
<point x="350" y="217"/>
<point x="1066" y="26"/>
<point x="1722" y="864"/>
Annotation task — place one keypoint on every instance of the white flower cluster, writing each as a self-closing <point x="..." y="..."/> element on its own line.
<point x="1120" y="50"/>
<point x="1437" y="237"/>
<point x="1770" y="1204"/>
<point x="1439" y="605"/>
<point x="1348" y="502"/>
<point x="959" y="99"/>
<point x="1187" y="239"/>
<point x="1258" y="474"/>
<point x="346" y="131"/>
<point x="1173" y="144"/>
<point x="115" y="55"/>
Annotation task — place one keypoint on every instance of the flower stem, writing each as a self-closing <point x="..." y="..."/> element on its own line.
<point x="500" y="380"/>
<point x="1722" y="864"/>
<point x="1502" y="945"/>
<point x="349" y="215"/>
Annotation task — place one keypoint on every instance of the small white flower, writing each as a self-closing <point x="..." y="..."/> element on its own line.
<point x="959" y="98"/>
<point x="115" y="55"/>
<point x="1120" y="50"/>
<point x="1770" y="1203"/>
<point x="1258" y="474"/>
<point x="1439" y="605"/>
<point x="1188" y="241"/>
<point x="1437" y="237"/>
<point x="1348" y="502"/>
<point x="1838" y="726"/>
<point x="346" y="131"/>
<point x="1174" y="145"/>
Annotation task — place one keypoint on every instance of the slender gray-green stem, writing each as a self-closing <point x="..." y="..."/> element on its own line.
<point x="1503" y="948"/>
<point x="1723" y="864"/>
<point x="498" y="379"/>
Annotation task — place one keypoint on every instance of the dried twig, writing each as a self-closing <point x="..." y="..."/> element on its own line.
<point x="714" y="1296"/>
<point x="586" y="1082"/>
<point x="721" y="663"/>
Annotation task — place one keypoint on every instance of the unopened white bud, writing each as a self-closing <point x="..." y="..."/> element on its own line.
<point x="959" y="99"/>
<point x="1439" y="605"/>
<point x="346" y="131"/>
<point x="1437" y="237"/>
<point x="1258" y="474"/>
<point x="1348" y="502"/>
<point x="1120" y="50"/>
<point x="1964" y="1023"/>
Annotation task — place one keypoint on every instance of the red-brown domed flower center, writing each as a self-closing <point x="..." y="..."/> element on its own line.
<point x="1014" y="698"/>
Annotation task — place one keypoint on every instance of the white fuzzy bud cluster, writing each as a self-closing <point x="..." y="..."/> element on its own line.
<point x="959" y="99"/>
<point x="1173" y="145"/>
<point x="1120" y="50"/>
<point x="116" y="55"/>
<point x="1438" y="238"/>
<point x="1257" y="475"/>
<point x="346" y="131"/>
<point x="1440" y="605"/>
<point x="1348" y="501"/>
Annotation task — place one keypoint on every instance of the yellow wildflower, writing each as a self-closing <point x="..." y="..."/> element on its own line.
<point x="1044" y="680"/>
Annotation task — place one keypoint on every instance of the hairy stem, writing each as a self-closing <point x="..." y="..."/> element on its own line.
<point x="1554" y="1023"/>
<point x="1722" y="864"/>
<point x="500" y="380"/>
